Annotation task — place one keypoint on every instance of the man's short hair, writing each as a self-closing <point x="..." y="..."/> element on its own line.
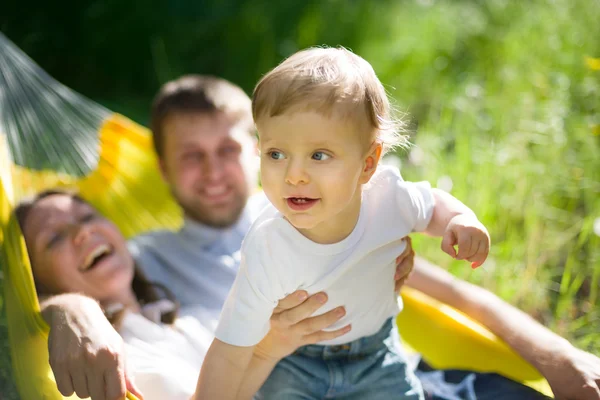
<point x="198" y="94"/>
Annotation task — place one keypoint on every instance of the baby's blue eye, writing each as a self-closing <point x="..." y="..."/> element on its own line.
<point x="276" y="155"/>
<point x="320" y="156"/>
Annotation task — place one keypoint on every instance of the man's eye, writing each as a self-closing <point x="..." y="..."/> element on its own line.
<point x="276" y="155"/>
<point x="229" y="150"/>
<point x="320" y="156"/>
<point x="192" y="156"/>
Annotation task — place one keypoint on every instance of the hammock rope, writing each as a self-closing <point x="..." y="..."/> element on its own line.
<point x="37" y="113"/>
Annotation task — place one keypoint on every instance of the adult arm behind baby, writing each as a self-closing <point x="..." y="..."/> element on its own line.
<point x="573" y="374"/>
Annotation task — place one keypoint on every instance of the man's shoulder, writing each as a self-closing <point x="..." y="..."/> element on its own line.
<point x="153" y="244"/>
<point x="153" y="238"/>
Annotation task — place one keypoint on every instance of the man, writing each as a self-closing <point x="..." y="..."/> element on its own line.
<point x="203" y="136"/>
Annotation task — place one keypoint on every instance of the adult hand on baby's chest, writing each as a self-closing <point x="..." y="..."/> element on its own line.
<point x="292" y="325"/>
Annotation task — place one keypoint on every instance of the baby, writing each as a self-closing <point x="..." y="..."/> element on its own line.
<point x="336" y="224"/>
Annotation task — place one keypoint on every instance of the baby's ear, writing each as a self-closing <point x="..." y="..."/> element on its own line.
<point x="371" y="160"/>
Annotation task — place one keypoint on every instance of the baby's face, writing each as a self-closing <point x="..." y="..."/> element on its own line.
<point x="311" y="171"/>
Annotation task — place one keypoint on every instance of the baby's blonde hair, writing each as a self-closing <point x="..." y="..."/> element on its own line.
<point x="332" y="82"/>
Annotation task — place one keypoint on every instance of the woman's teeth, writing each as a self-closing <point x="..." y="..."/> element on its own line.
<point x="93" y="256"/>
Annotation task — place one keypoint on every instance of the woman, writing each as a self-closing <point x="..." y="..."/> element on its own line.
<point x="73" y="249"/>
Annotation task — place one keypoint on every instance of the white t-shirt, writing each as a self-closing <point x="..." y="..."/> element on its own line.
<point x="356" y="273"/>
<point x="165" y="360"/>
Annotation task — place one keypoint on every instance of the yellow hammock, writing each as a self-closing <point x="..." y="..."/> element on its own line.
<point x="110" y="160"/>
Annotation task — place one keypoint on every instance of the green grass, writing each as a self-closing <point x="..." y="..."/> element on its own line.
<point x="503" y="105"/>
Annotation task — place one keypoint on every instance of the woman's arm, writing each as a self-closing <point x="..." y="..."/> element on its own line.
<point x="571" y="373"/>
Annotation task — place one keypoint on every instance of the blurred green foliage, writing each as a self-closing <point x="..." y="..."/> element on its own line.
<point x="502" y="96"/>
<point x="121" y="52"/>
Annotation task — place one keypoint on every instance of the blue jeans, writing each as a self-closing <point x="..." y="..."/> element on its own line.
<point x="455" y="384"/>
<point x="371" y="368"/>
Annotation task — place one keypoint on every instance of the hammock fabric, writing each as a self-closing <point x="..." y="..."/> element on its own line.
<point x="52" y="137"/>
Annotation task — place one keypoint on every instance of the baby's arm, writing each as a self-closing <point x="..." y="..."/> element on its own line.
<point x="243" y="322"/>
<point x="458" y="225"/>
<point x="223" y="371"/>
<point x="446" y="207"/>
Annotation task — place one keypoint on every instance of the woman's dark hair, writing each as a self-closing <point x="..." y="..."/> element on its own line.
<point x="145" y="291"/>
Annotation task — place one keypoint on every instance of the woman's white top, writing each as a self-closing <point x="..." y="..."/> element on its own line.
<point x="164" y="360"/>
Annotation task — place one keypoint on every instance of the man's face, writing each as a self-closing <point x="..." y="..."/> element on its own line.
<point x="208" y="164"/>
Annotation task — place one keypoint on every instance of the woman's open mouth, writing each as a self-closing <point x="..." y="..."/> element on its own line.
<point x="96" y="256"/>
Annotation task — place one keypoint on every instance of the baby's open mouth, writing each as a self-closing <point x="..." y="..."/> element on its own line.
<point x="301" y="200"/>
<point x="301" y="203"/>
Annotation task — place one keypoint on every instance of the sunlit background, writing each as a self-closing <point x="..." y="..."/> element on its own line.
<point x="503" y="99"/>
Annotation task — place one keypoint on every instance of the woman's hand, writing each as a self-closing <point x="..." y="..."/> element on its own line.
<point x="292" y="325"/>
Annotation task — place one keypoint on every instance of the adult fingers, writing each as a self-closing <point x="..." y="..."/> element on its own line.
<point x="327" y="335"/>
<point x="404" y="265"/>
<point x="65" y="385"/>
<point x="95" y="381"/>
<point x="408" y="251"/>
<point x="291" y="301"/>
<point x="62" y="376"/>
<point x="311" y="325"/>
<point x="114" y="383"/>
<point x="79" y="381"/>
<point x="398" y="285"/>
<point x="132" y="388"/>
<point x="403" y="270"/>
<point x="590" y="392"/>
<point x="300" y="312"/>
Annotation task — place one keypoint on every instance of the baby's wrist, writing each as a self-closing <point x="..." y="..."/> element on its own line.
<point x="265" y="357"/>
<point x="466" y="214"/>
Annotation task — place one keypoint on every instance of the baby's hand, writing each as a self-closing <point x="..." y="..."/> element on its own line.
<point x="470" y="235"/>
